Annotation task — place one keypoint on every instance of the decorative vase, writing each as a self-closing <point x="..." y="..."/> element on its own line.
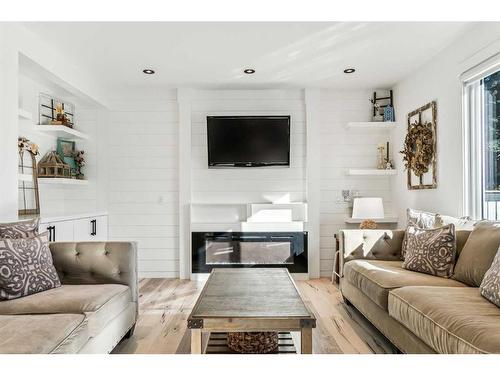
<point x="378" y="117"/>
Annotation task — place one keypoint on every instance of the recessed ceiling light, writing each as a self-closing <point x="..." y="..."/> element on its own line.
<point x="349" y="70"/>
<point x="148" y="71"/>
<point x="249" y="71"/>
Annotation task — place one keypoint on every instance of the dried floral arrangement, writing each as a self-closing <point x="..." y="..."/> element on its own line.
<point x="80" y="163"/>
<point x="418" y="148"/>
<point x="24" y="144"/>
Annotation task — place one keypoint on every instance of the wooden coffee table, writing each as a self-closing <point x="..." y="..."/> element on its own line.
<point x="250" y="300"/>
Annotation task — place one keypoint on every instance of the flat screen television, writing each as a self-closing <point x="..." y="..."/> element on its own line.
<point x="248" y="141"/>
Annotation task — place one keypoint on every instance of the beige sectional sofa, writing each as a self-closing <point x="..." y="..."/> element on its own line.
<point x="95" y="307"/>
<point x="417" y="312"/>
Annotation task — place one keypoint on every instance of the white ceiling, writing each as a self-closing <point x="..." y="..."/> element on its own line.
<point x="213" y="55"/>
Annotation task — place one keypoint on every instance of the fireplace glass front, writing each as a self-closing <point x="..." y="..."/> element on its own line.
<point x="243" y="249"/>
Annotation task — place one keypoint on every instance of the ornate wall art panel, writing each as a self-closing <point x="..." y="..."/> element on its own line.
<point x="419" y="152"/>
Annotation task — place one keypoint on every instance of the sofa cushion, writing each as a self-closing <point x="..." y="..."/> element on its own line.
<point x="478" y="253"/>
<point x="449" y="320"/>
<point x="42" y="334"/>
<point x="26" y="267"/>
<point x="376" y="278"/>
<point x="20" y="229"/>
<point x="431" y="251"/>
<point x="100" y="303"/>
<point x="490" y="287"/>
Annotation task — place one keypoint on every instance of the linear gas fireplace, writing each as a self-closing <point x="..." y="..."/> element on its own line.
<point x="249" y="249"/>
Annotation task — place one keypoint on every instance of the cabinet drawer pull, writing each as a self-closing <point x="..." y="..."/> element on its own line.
<point x="94" y="227"/>
<point x="52" y="233"/>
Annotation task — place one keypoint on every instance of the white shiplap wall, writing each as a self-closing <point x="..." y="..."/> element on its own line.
<point x="342" y="149"/>
<point x="247" y="185"/>
<point x="142" y="180"/>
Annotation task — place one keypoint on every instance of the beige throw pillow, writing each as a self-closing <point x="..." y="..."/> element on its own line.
<point x="431" y="251"/>
<point x="422" y="219"/>
<point x="490" y="287"/>
<point x="478" y="253"/>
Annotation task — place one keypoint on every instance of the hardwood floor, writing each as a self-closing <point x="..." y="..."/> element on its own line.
<point x="164" y="305"/>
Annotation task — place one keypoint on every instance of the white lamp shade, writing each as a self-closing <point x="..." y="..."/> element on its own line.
<point x="368" y="208"/>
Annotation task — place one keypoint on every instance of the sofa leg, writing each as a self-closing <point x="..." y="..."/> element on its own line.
<point x="129" y="333"/>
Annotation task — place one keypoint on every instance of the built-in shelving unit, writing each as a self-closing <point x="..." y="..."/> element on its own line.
<point x="372" y="125"/>
<point x="385" y="220"/>
<point x="58" y="131"/>
<point x="371" y="172"/>
<point x="62" y="181"/>
<point x="61" y="131"/>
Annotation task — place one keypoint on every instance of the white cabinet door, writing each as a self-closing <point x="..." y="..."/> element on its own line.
<point x="60" y="231"/>
<point x="83" y="229"/>
<point x="45" y="227"/>
<point x="91" y="229"/>
<point x="101" y="228"/>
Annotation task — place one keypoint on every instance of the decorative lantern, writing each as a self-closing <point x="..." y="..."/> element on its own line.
<point x="52" y="166"/>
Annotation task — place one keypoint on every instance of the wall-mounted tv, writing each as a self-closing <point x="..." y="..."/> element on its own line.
<point x="248" y="141"/>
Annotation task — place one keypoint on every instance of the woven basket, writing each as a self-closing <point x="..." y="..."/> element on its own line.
<point x="252" y="342"/>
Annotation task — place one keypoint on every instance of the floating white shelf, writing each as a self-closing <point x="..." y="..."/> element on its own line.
<point x="387" y="125"/>
<point x="372" y="172"/>
<point x="25" y="177"/>
<point x="62" y="181"/>
<point x="61" y="131"/>
<point x="25" y="115"/>
<point x="387" y="220"/>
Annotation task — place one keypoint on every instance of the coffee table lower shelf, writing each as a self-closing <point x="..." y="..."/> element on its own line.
<point x="217" y="344"/>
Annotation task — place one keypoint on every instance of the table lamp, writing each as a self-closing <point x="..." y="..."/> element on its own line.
<point x="368" y="209"/>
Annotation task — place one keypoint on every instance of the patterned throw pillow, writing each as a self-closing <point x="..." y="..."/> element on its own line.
<point x="431" y="251"/>
<point x="420" y="219"/>
<point x="20" y="229"/>
<point x="26" y="267"/>
<point x="490" y="286"/>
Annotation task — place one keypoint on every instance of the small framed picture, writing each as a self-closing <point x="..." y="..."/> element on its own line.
<point x="66" y="150"/>
<point x="53" y="111"/>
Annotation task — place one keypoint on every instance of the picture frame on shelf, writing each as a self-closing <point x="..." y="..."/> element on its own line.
<point x="66" y="151"/>
<point x="54" y="111"/>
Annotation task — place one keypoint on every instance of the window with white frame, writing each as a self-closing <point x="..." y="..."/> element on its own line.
<point x="482" y="145"/>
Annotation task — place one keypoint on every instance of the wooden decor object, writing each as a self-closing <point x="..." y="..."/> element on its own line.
<point x="52" y="166"/>
<point x="252" y="342"/>
<point x="29" y="198"/>
<point x="419" y="153"/>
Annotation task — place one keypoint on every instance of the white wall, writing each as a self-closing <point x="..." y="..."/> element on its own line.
<point x="341" y="149"/>
<point x="8" y="123"/>
<point x="247" y="185"/>
<point x="142" y="179"/>
<point x="439" y="80"/>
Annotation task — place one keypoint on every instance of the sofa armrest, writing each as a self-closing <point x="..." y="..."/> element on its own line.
<point x="97" y="263"/>
<point x="375" y="244"/>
